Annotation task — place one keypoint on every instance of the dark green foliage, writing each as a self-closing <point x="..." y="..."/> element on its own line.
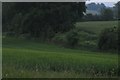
<point x="107" y="14"/>
<point x="72" y="38"/>
<point x="23" y="57"/>
<point x="108" y="39"/>
<point x="117" y="10"/>
<point x="76" y="39"/>
<point x="68" y="39"/>
<point x="87" y="40"/>
<point x="91" y="17"/>
<point x="59" y="39"/>
<point x="41" y="20"/>
<point x="95" y="6"/>
<point x="119" y="37"/>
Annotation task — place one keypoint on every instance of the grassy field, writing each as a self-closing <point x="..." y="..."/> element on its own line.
<point x="22" y="58"/>
<point x="96" y="26"/>
<point x="32" y="59"/>
<point x="0" y="55"/>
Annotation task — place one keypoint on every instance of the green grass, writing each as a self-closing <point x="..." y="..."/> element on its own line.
<point x="96" y="26"/>
<point x="25" y="58"/>
<point x="89" y="32"/>
<point x="34" y="59"/>
<point x="0" y="55"/>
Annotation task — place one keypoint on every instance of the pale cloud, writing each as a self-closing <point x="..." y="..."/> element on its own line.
<point x="108" y="3"/>
<point x="114" y="1"/>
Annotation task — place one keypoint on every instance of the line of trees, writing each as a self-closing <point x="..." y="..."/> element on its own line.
<point x="117" y="10"/>
<point x="41" y="20"/>
<point x="108" y="39"/>
<point x="106" y="14"/>
<point x="44" y="20"/>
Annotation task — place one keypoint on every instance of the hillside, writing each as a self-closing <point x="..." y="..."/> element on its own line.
<point x="34" y="59"/>
<point x="30" y="59"/>
<point x="92" y="12"/>
<point x="96" y="26"/>
<point x="94" y="8"/>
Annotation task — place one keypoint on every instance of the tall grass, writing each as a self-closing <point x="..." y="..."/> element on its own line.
<point x="96" y="26"/>
<point x="23" y="58"/>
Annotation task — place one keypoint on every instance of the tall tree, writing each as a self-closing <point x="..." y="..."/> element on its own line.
<point x="107" y="14"/>
<point x="42" y="19"/>
<point x="117" y="10"/>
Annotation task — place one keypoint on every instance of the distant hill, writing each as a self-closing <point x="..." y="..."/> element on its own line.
<point x="92" y="12"/>
<point x="94" y="8"/>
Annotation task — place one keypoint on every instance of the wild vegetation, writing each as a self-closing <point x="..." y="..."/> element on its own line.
<point x="32" y="58"/>
<point x="41" y="20"/>
<point x="49" y="40"/>
<point x="25" y="58"/>
<point x="100" y="12"/>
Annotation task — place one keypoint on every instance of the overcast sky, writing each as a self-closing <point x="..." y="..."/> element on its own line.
<point x="103" y="0"/>
<point x="109" y="3"/>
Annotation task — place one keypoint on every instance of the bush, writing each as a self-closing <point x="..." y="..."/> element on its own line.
<point x="108" y="39"/>
<point x="68" y="39"/>
<point x="72" y="38"/>
<point x="84" y="35"/>
<point x="59" y="38"/>
<point x="9" y="34"/>
<point x="87" y="40"/>
<point x="75" y="38"/>
<point x="25" y="36"/>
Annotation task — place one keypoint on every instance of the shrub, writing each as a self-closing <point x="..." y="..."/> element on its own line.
<point x="72" y="38"/>
<point x="9" y="34"/>
<point x="75" y="38"/>
<point x="59" y="38"/>
<point x="25" y="36"/>
<point x="108" y="39"/>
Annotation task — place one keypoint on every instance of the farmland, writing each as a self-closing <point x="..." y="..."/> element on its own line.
<point x="96" y="26"/>
<point x="30" y="58"/>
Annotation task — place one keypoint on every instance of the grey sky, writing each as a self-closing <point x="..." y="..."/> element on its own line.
<point x="108" y="3"/>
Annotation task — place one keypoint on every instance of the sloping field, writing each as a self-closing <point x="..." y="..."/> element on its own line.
<point x="96" y="26"/>
<point x="23" y="58"/>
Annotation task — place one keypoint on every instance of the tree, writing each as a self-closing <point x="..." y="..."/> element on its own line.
<point x="42" y="19"/>
<point x="91" y="17"/>
<point x="72" y="38"/>
<point x="108" y="39"/>
<point x="107" y="14"/>
<point x="117" y="10"/>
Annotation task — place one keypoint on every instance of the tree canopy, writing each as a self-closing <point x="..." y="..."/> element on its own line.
<point x="107" y="14"/>
<point x="117" y="7"/>
<point x="42" y="19"/>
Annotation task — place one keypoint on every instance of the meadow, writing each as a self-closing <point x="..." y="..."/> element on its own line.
<point x="96" y="26"/>
<point x="33" y="59"/>
<point x="0" y="55"/>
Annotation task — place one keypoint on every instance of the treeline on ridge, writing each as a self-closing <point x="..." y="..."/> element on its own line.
<point x="54" y="22"/>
